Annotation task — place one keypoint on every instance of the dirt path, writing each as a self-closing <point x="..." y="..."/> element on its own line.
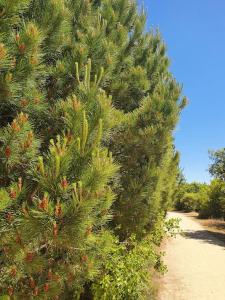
<point x="196" y="264"/>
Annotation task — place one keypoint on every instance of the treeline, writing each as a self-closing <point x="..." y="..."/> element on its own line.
<point x="207" y="199"/>
<point x="88" y="166"/>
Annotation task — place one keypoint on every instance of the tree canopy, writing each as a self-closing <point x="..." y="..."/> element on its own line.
<point x="88" y="164"/>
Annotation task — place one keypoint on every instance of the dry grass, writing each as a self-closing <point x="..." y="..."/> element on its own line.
<point x="215" y="226"/>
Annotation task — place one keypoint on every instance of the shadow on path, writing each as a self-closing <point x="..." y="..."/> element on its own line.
<point x="215" y="238"/>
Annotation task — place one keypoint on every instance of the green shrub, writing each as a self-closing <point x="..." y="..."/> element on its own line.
<point x="191" y="196"/>
<point x="127" y="273"/>
<point x="215" y="206"/>
<point x="202" y="199"/>
<point x="205" y="211"/>
<point x="207" y="200"/>
<point x="189" y="202"/>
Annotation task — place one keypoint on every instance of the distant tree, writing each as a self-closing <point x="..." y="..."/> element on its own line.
<point x="213" y="206"/>
<point x="191" y="196"/>
<point x="217" y="167"/>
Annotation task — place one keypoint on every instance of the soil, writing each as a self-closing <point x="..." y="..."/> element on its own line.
<point x="196" y="262"/>
<point x="215" y="226"/>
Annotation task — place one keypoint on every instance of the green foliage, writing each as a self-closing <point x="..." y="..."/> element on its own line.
<point x="191" y="196"/>
<point x="126" y="273"/>
<point x="143" y="149"/>
<point x="189" y="202"/>
<point x="87" y="111"/>
<point x="217" y="167"/>
<point x="215" y="206"/>
<point x="207" y="200"/>
<point x="164" y="227"/>
<point x="18" y="149"/>
<point x="71" y="198"/>
<point x="5" y="199"/>
<point x="4" y="298"/>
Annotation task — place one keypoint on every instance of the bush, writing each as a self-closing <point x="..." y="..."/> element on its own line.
<point x="215" y="206"/>
<point x="189" y="202"/>
<point x="127" y="273"/>
<point x="207" y="200"/>
<point x="205" y="211"/>
<point x="191" y="197"/>
<point x="202" y="199"/>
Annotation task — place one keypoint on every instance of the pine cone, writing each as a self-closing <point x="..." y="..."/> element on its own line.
<point x="7" y="151"/>
<point x="46" y="287"/>
<point x="12" y="194"/>
<point x="22" y="48"/>
<point x="10" y="291"/>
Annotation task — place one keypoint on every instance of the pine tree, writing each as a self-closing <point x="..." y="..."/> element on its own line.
<point x="57" y="239"/>
<point x="78" y="78"/>
<point x="20" y="68"/>
<point x="141" y="147"/>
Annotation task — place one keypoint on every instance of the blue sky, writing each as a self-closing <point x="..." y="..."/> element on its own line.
<point x="194" y="32"/>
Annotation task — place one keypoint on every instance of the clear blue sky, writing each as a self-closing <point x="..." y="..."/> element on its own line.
<point x="194" y="31"/>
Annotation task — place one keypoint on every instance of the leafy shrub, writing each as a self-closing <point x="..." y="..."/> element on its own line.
<point x="126" y="274"/>
<point x="205" y="211"/>
<point x="202" y="199"/>
<point x="189" y="202"/>
<point x="207" y="200"/>
<point x="215" y="206"/>
<point x="191" y="196"/>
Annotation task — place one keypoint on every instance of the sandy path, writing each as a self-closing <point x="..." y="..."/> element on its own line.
<point x="196" y="264"/>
